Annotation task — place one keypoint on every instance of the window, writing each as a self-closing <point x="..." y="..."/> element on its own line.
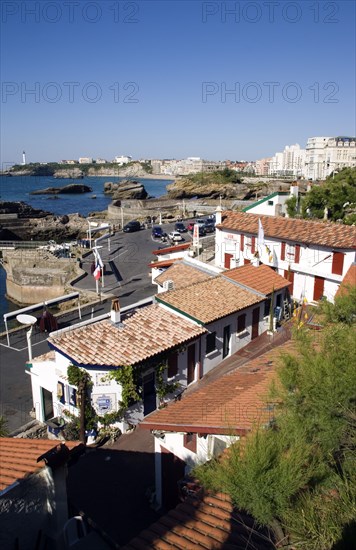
<point x="210" y="342"/>
<point x="270" y="203"/>
<point x="60" y="392"/>
<point x="267" y="308"/>
<point x="72" y="396"/>
<point x="241" y="323"/>
<point x="190" y="442"/>
<point x="290" y="252"/>
<point x="172" y="365"/>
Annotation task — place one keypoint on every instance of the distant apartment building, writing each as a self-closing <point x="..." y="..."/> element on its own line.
<point x="69" y="162"/>
<point x="190" y="165"/>
<point x="100" y="161"/>
<point x="156" y="166"/>
<point x="262" y="166"/>
<point x="85" y="160"/>
<point x="122" y="160"/>
<point x="324" y="155"/>
<point x="290" y="162"/>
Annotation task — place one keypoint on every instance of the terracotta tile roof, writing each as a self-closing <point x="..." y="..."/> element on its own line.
<point x="209" y="523"/>
<point x="18" y="457"/>
<point x="209" y="300"/>
<point x="182" y="275"/>
<point x="164" y="263"/>
<point x="348" y="281"/>
<point x="262" y="278"/>
<point x="150" y="330"/>
<point x="49" y="356"/>
<point x="234" y="402"/>
<point x="170" y="249"/>
<point x="329" y="234"/>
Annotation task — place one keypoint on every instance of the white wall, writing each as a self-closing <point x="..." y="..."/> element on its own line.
<point x="314" y="261"/>
<point x="174" y="442"/>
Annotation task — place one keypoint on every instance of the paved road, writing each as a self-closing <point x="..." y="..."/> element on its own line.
<point x="131" y="253"/>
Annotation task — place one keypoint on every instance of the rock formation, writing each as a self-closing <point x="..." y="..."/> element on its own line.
<point x="74" y="188"/>
<point x="125" y="190"/>
<point x="66" y="173"/>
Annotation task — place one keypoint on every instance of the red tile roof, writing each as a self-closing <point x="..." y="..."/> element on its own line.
<point x="209" y="300"/>
<point x="150" y="331"/>
<point x="18" y="457"/>
<point x="209" y="523"/>
<point x="182" y="275"/>
<point x="348" y="281"/>
<point x="233" y="403"/>
<point x="170" y="249"/>
<point x="164" y="263"/>
<point x="328" y="234"/>
<point x="261" y="278"/>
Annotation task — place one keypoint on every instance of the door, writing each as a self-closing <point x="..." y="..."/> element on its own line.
<point x="318" y="288"/>
<point x="255" y="322"/>
<point x="149" y="394"/>
<point x="226" y="341"/>
<point x="191" y="364"/>
<point x="289" y="275"/>
<point x="172" y="471"/>
<point x="47" y="403"/>
<point x="227" y="260"/>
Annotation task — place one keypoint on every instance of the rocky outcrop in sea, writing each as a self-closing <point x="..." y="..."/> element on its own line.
<point x="74" y="188"/>
<point x="125" y="190"/>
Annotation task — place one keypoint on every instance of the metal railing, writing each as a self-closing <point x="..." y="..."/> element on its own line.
<point x="22" y="244"/>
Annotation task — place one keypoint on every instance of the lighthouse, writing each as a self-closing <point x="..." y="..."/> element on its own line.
<point x="23" y="157"/>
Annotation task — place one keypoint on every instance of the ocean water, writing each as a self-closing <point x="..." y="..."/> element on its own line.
<point x="18" y="188"/>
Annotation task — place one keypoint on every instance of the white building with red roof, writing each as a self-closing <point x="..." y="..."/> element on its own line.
<point x="314" y="256"/>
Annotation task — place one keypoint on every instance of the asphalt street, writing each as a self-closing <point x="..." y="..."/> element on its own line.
<point x="131" y="254"/>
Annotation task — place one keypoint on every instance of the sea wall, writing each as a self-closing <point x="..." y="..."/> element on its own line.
<point x="34" y="276"/>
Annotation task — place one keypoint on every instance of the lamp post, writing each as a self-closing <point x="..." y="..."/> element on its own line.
<point x="28" y="320"/>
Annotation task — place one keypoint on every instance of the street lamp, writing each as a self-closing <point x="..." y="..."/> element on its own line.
<point x="28" y="320"/>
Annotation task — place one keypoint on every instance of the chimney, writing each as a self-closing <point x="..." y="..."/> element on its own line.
<point x="218" y="215"/>
<point x="115" y="311"/>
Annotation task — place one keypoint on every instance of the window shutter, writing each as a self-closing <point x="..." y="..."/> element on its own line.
<point x="253" y="245"/>
<point x="283" y="251"/>
<point x="242" y="243"/>
<point x="338" y="263"/>
<point x="297" y="254"/>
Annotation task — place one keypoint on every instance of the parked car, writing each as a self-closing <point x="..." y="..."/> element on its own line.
<point x="157" y="232"/>
<point x="175" y="237"/>
<point x="134" y="225"/>
<point x="200" y="222"/>
<point x="180" y="227"/>
<point x="201" y="226"/>
<point x="209" y="225"/>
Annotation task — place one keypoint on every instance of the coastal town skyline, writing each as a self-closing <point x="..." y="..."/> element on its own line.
<point x="217" y="80"/>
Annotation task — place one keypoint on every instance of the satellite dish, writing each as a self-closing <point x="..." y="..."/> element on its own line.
<point x="26" y="319"/>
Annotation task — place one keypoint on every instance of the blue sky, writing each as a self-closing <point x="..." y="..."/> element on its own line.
<point x="171" y="79"/>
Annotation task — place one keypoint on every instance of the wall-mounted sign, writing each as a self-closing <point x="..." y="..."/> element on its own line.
<point x="104" y="402"/>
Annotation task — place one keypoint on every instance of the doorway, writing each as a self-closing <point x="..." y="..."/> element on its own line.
<point x="149" y="393"/>
<point x="226" y="341"/>
<point x="255" y="322"/>
<point x="47" y="403"/>
<point x="191" y="364"/>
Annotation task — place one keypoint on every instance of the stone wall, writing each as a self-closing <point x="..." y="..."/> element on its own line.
<point x="34" y="276"/>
